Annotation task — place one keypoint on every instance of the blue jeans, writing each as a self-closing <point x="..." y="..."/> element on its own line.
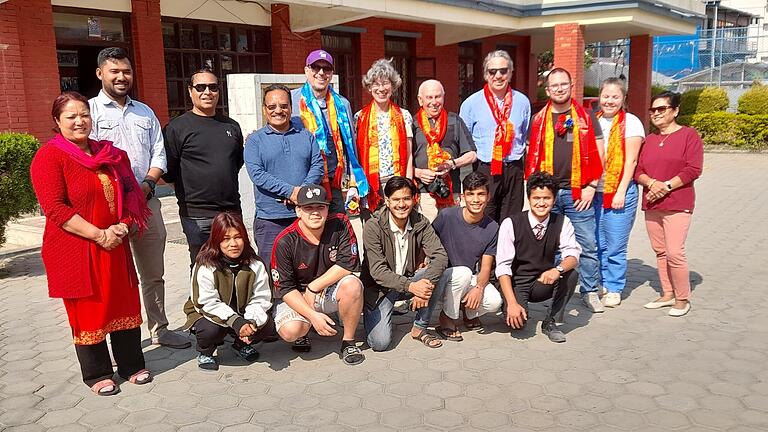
<point x="197" y="230"/>
<point x="612" y="229"/>
<point x="378" y="321"/>
<point x="584" y="228"/>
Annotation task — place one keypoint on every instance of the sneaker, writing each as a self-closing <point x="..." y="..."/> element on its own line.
<point x="207" y="362"/>
<point x="549" y="328"/>
<point x="247" y="352"/>
<point x="612" y="299"/>
<point x="592" y="300"/>
<point x="172" y="339"/>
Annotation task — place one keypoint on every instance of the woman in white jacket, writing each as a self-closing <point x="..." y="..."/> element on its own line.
<point x="230" y="292"/>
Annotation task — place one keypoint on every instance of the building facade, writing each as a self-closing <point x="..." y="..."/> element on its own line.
<point x="47" y="46"/>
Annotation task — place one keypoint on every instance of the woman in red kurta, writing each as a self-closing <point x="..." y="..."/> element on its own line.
<point x="90" y="198"/>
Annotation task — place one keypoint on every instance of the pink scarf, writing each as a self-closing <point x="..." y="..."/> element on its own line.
<point x="129" y="194"/>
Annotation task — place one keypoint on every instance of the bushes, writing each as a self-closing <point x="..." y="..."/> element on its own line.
<point x="702" y="101"/>
<point x="754" y="100"/>
<point x="737" y="130"/>
<point x="16" y="194"/>
<point x="590" y="91"/>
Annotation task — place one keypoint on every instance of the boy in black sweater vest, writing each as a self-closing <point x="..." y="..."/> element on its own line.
<point x="527" y="250"/>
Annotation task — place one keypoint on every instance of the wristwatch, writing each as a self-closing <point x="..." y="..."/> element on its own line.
<point x="152" y="185"/>
<point x="669" y="184"/>
<point x="560" y="269"/>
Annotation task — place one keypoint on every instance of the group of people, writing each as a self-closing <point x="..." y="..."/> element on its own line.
<point x="431" y="239"/>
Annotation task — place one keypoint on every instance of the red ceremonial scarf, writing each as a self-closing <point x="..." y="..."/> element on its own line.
<point x="310" y="122"/>
<point x="104" y="154"/>
<point x="435" y="154"/>
<point x="614" y="156"/>
<point x="585" y="163"/>
<point x="505" y="130"/>
<point x="368" y="147"/>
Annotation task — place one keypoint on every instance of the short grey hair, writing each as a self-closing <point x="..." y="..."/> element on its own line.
<point x="497" y="54"/>
<point x="382" y="69"/>
<point x="428" y="82"/>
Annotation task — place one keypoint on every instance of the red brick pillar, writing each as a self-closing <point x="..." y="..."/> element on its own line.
<point x="149" y="56"/>
<point x="447" y="65"/>
<point x="569" y="55"/>
<point x="290" y="50"/>
<point x="371" y="49"/>
<point x="640" y="58"/>
<point x="30" y="74"/>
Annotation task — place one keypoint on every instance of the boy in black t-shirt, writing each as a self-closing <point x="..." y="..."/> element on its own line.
<point x="469" y="238"/>
<point x="312" y="264"/>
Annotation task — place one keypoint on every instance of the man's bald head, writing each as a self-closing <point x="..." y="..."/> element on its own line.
<point x="431" y="97"/>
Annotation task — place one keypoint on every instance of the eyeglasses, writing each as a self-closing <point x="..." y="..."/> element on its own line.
<point x="273" y="107"/>
<point x="659" y="109"/>
<point x="381" y="84"/>
<point x="317" y="68"/>
<point x="503" y="71"/>
<point x="562" y="86"/>
<point x="213" y="87"/>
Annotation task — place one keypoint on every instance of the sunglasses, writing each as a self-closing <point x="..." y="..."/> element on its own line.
<point x="317" y="68"/>
<point x="659" y="109"/>
<point x="214" y="88"/>
<point x="503" y="71"/>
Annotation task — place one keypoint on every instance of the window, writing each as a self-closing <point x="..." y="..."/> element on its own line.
<point x="224" y="48"/>
<point x="470" y="69"/>
<point x="346" y="63"/>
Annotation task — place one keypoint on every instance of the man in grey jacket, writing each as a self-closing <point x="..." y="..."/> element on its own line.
<point x="403" y="259"/>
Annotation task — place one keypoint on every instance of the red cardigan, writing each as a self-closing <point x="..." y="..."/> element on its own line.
<point x="65" y="188"/>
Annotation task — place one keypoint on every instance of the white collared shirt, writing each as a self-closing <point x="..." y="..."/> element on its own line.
<point x="401" y="245"/>
<point x="133" y="128"/>
<point x="505" y="248"/>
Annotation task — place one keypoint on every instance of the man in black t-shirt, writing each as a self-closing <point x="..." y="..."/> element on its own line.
<point x="205" y="154"/>
<point x="469" y="238"/>
<point x="312" y="264"/>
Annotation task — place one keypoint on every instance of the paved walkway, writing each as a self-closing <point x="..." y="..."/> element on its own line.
<point x="626" y="369"/>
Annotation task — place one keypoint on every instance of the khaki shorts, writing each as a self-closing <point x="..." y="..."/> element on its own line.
<point x="326" y="303"/>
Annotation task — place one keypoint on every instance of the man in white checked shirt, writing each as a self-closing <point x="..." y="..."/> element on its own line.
<point x="536" y="256"/>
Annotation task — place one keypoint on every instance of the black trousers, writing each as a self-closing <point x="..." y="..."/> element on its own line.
<point x="505" y="190"/>
<point x="210" y="335"/>
<point x="533" y="291"/>
<point x="96" y="365"/>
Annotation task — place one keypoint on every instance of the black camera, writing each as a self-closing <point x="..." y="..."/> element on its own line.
<point x="439" y="187"/>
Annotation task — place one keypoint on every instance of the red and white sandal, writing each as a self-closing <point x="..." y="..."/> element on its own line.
<point x="101" y="388"/>
<point x="141" y="377"/>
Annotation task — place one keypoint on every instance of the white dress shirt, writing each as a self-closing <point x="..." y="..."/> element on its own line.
<point x="505" y="248"/>
<point x="401" y="245"/>
<point x="133" y="128"/>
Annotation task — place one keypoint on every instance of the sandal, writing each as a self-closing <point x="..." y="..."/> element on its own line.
<point x="302" y="344"/>
<point x="449" y="334"/>
<point x="246" y="352"/>
<point x="351" y="355"/>
<point x="473" y="324"/>
<point x="99" y="388"/>
<point x="428" y="339"/>
<point x="141" y="377"/>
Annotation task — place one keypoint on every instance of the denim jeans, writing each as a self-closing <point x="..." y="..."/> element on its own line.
<point x="378" y="321"/>
<point x="613" y="228"/>
<point x="584" y="228"/>
<point x="197" y="230"/>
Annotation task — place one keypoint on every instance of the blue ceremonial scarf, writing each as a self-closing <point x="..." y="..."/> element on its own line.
<point x="345" y="128"/>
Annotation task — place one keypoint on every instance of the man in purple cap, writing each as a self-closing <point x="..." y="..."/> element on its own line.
<point x="328" y="116"/>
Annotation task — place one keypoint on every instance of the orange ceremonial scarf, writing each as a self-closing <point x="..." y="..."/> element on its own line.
<point x="368" y="147"/>
<point x="615" y="156"/>
<point x="310" y="122"/>
<point x="585" y="163"/>
<point x="505" y="130"/>
<point x="435" y="154"/>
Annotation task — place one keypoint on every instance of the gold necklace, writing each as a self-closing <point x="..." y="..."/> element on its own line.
<point x="661" y="144"/>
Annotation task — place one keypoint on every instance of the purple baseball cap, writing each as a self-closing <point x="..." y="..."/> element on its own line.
<point x="318" y="55"/>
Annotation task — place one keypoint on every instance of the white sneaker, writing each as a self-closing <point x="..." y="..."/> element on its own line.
<point x="612" y="299"/>
<point x="592" y="300"/>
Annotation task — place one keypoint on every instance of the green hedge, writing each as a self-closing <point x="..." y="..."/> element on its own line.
<point x="754" y="100"/>
<point x="590" y="91"/>
<point x="16" y="194"/>
<point x="702" y="101"/>
<point x="736" y="130"/>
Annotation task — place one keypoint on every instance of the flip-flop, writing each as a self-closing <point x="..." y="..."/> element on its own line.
<point x="99" y="386"/>
<point x="427" y="339"/>
<point x="449" y="334"/>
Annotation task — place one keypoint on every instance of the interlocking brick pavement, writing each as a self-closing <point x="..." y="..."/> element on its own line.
<point x="626" y="369"/>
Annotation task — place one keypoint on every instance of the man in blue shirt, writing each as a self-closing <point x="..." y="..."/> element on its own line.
<point x="280" y="158"/>
<point x="498" y="118"/>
